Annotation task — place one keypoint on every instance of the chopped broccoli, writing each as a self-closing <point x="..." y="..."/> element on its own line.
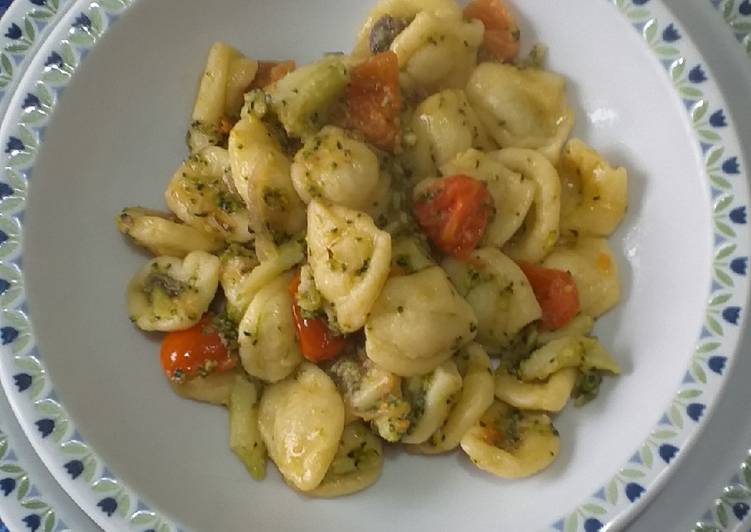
<point x="587" y="387"/>
<point x="304" y="98"/>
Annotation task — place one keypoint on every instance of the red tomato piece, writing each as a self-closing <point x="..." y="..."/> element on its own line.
<point x="270" y="72"/>
<point x="374" y="100"/>
<point x="556" y="293"/>
<point x="501" y="38"/>
<point x="454" y="212"/>
<point x="493" y="436"/>
<point x="194" y="352"/>
<point x="317" y="341"/>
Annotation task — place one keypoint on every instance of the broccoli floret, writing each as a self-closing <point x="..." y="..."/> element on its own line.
<point x="309" y="299"/>
<point x="304" y="98"/>
<point x="392" y="420"/>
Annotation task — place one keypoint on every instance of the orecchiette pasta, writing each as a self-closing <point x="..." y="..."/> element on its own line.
<point x="373" y="394"/>
<point x="569" y="352"/>
<point x="499" y="293"/>
<point x="551" y="395"/>
<point x="512" y="192"/>
<point x="399" y="9"/>
<point x="350" y="258"/>
<point x="417" y="323"/>
<point x="431" y="398"/>
<point x="593" y="199"/>
<point x="339" y="169"/>
<point x="596" y="357"/>
<point x="236" y="265"/>
<point x="242" y="71"/>
<point x="377" y="223"/>
<point x="268" y="348"/>
<point x="163" y="236"/>
<point x="381" y="198"/>
<point x="522" y="108"/>
<point x="362" y="383"/>
<point x="245" y="438"/>
<point x="242" y="277"/>
<point x="200" y="196"/>
<point x="203" y="135"/>
<point x="301" y="421"/>
<point x="475" y="398"/>
<point x="511" y="443"/>
<point x="554" y="356"/>
<point x="212" y="90"/>
<point x="220" y="94"/>
<point x="540" y="229"/>
<point x="357" y="464"/>
<point x="438" y="52"/>
<point x="444" y="125"/>
<point x="409" y="255"/>
<point x="261" y="174"/>
<point x="170" y="294"/>
<point x="580" y="325"/>
<point x="214" y="388"/>
<point x="592" y="264"/>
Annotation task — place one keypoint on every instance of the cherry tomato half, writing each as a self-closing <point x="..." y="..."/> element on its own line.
<point x="317" y="341"/>
<point x="454" y="212"/>
<point x="501" y="38"/>
<point x="270" y="72"/>
<point x="194" y="352"/>
<point x="556" y="293"/>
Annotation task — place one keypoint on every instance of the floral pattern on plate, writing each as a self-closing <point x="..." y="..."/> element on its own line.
<point x="731" y="508"/>
<point x="708" y="364"/>
<point x="17" y="489"/>
<point x="21" y="32"/>
<point x="737" y="13"/>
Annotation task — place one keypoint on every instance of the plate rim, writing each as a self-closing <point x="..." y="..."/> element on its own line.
<point x="22" y="497"/>
<point x="736" y="490"/>
<point x="24" y="501"/>
<point x="108" y="501"/>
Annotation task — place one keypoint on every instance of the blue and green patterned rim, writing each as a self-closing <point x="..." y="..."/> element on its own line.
<point x="113" y="505"/>
<point x="22" y="502"/>
<point x="680" y="424"/>
<point x="731" y="508"/>
<point x="737" y="15"/>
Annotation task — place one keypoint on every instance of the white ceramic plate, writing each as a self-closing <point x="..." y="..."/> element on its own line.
<point x="715" y="479"/>
<point x="30" y="498"/>
<point x="91" y="391"/>
<point x="29" y="495"/>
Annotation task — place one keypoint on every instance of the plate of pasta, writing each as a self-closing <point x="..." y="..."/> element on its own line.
<point x="470" y="262"/>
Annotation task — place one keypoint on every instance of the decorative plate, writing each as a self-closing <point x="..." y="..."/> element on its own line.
<point x="731" y="508"/>
<point x="98" y="121"/>
<point x="29" y="496"/>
